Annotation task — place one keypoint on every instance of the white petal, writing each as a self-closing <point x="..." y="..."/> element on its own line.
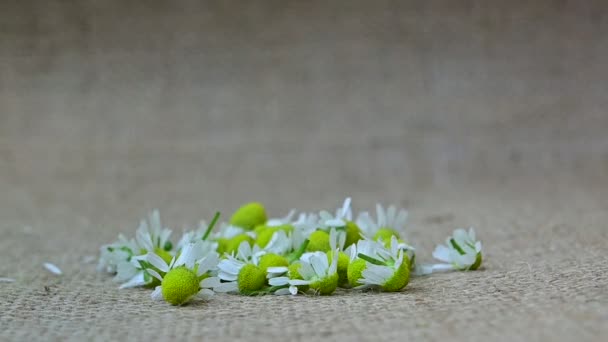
<point x="335" y="223"/>
<point x="227" y="287"/>
<point x="390" y="216"/>
<point x="125" y="271"/>
<point x="278" y="281"/>
<point x="230" y="266"/>
<point x="318" y="266"/>
<point x="142" y="235"/>
<point x="205" y="294"/>
<point x="345" y="208"/>
<point x="208" y="263"/>
<point x="442" y="267"/>
<point x="157" y="294"/>
<point x="461" y="236"/>
<point x="297" y="282"/>
<point x="306" y="270"/>
<point x="472" y="234"/>
<point x="157" y="262"/>
<point x="52" y="268"/>
<point x="186" y="257"/>
<point x="442" y="253"/>
<point x="293" y="290"/>
<point x="421" y="269"/>
<point x="282" y="292"/>
<point x="381" y="216"/>
<point x="210" y="282"/>
<point x="401" y="219"/>
<point x="278" y="269"/>
<point x="7" y="280"/>
<point x="478" y="246"/>
<point x="137" y="280"/>
<point x="154" y="274"/>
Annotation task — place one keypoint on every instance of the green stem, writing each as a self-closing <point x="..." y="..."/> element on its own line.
<point x="211" y="225"/>
<point x="371" y="260"/>
<point x="298" y="253"/>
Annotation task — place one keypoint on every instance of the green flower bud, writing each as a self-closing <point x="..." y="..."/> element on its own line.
<point x="179" y="285"/>
<point x="325" y="286"/>
<point x="249" y="216"/>
<point x="355" y="272"/>
<point x="251" y="278"/>
<point x="319" y="241"/>
<point x="343" y="262"/>
<point x="272" y="260"/>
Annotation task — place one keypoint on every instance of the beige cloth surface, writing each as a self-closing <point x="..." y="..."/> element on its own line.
<point x="487" y="114"/>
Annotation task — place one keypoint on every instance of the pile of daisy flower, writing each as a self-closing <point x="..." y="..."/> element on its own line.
<point x="314" y="253"/>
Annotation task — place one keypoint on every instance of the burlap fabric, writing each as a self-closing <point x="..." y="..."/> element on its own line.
<point x="491" y="114"/>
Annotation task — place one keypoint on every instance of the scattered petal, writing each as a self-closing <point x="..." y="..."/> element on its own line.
<point x="52" y="268"/>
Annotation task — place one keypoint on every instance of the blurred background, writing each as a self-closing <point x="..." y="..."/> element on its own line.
<point x="488" y="113"/>
<point x="111" y="108"/>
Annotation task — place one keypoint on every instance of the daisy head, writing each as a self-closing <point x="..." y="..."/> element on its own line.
<point x="375" y="266"/>
<point x="181" y="278"/>
<point x="121" y="257"/>
<point x="239" y="272"/>
<point x="343" y="214"/>
<point x="389" y="222"/>
<point x="315" y="271"/>
<point x="462" y="251"/>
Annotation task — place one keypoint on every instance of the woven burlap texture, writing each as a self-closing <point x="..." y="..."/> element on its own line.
<point x="487" y="114"/>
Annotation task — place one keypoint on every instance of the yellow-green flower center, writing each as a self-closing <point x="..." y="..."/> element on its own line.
<point x="251" y="278"/>
<point x="179" y="285"/>
<point x="272" y="260"/>
<point x="353" y="233"/>
<point x="384" y="234"/>
<point x="265" y="235"/>
<point x="355" y="272"/>
<point x="325" y="286"/>
<point x="343" y="262"/>
<point x="399" y="279"/>
<point x="234" y="243"/>
<point x="249" y="216"/>
<point x="319" y="241"/>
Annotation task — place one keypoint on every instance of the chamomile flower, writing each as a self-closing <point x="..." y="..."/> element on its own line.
<point x="114" y="253"/>
<point x="202" y="233"/>
<point x="239" y="272"/>
<point x="229" y="237"/>
<point x="316" y="272"/>
<point x="183" y="275"/>
<point x="192" y="236"/>
<point x="280" y="243"/>
<point x="461" y="252"/>
<point x="121" y="257"/>
<point x="375" y="266"/>
<point x="343" y="214"/>
<point x="388" y="222"/>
